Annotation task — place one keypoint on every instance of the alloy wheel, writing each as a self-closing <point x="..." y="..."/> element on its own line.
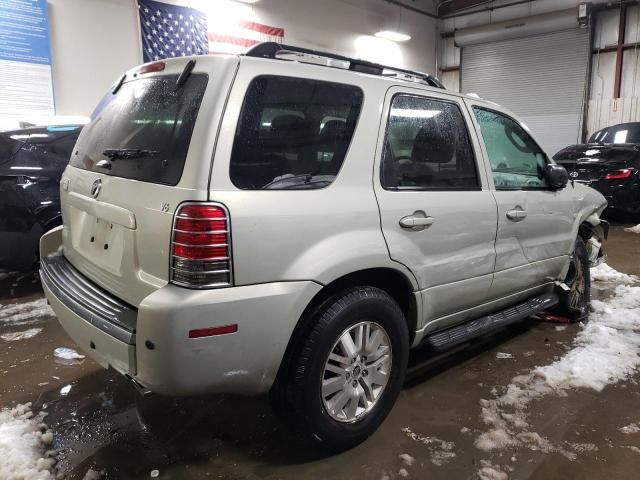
<point x="356" y="372"/>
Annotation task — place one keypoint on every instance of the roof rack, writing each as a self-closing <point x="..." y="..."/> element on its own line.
<point x="274" y="50"/>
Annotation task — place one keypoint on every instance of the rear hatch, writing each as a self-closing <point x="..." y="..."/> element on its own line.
<point x="590" y="163"/>
<point x="147" y="148"/>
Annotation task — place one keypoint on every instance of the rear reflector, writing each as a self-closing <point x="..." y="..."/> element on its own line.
<point x="201" y="246"/>
<point x="213" y="331"/>
<point x="619" y="174"/>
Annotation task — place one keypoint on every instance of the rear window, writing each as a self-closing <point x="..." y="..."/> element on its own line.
<point x="293" y="133"/>
<point x="143" y="131"/>
<point x="618" y="134"/>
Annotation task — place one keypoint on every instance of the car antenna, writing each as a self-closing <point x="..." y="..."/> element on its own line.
<point x="185" y="73"/>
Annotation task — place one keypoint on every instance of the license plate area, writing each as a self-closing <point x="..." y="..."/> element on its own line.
<point x="98" y="240"/>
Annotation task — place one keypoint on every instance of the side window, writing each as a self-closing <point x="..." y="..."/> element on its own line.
<point x="427" y="146"/>
<point x="516" y="159"/>
<point x="293" y="133"/>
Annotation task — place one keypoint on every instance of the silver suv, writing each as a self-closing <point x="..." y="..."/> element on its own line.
<point x="293" y="222"/>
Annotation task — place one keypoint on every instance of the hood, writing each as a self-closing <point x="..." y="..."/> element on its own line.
<point x="615" y="156"/>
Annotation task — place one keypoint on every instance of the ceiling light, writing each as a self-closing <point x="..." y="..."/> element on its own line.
<point x="394" y="36"/>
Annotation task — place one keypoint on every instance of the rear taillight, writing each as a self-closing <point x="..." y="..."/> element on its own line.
<point x="619" y="174"/>
<point x="201" y="246"/>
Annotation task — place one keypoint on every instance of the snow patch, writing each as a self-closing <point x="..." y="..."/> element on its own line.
<point x="502" y="355"/>
<point x="631" y="428"/>
<point x="606" y="274"/>
<point x="490" y="471"/>
<point x="24" y="313"/>
<point x="403" y="472"/>
<point x="24" y="335"/>
<point x="605" y="351"/>
<point x="24" y="440"/>
<point x="440" y="451"/>
<point x="635" y="229"/>
<point x="407" y="459"/>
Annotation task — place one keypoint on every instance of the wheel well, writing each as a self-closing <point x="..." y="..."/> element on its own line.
<point x="387" y="279"/>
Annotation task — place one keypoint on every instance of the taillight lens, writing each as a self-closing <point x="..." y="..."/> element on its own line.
<point x="619" y="174"/>
<point x="201" y="246"/>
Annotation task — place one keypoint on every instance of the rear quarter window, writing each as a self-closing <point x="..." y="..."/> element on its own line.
<point x="293" y="133"/>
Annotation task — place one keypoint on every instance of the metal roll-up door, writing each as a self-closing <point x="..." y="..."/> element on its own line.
<point x="540" y="78"/>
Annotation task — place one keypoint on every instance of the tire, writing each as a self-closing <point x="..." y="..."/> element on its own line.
<point x="298" y="395"/>
<point x="575" y="304"/>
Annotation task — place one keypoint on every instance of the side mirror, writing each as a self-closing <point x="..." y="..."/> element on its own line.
<point x="556" y="176"/>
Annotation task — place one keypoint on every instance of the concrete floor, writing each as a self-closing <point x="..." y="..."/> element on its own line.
<point x="97" y="425"/>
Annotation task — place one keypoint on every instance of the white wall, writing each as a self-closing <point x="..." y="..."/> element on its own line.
<point x="346" y="27"/>
<point x="93" y="41"/>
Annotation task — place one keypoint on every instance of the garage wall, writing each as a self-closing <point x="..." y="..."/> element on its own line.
<point x="93" y="41"/>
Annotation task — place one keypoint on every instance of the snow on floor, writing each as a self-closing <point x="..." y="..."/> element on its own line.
<point x="24" y="335"/>
<point x="490" y="471"/>
<point x="440" y="451"/>
<point x="631" y="428"/>
<point x="24" y="313"/>
<point x="603" y="273"/>
<point x="635" y="229"/>
<point x="24" y="441"/>
<point x="605" y="351"/>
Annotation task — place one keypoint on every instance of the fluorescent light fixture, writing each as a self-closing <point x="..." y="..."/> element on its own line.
<point x="393" y="36"/>
<point x="26" y="168"/>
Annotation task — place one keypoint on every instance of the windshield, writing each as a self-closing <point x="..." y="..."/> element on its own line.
<point x="151" y="116"/>
<point x="618" y="134"/>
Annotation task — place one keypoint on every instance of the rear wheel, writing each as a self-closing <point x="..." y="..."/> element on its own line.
<point x="575" y="303"/>
<point x="343" y="377"/>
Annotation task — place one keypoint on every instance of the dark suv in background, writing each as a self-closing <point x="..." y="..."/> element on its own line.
<point x="610" y="163"/>
<point x="31" y="163"/>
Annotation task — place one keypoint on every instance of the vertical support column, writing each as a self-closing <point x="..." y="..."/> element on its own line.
<point x="617" y="86"/>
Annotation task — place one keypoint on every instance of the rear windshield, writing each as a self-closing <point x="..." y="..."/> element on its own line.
<point x="624" y="133"/>
<point x="293" y="133"/>
<point x="143" y="131"/>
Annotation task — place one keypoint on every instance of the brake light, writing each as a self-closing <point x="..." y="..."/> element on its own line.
<point x="619" y="174"/>
<point x="201" y="246"/>
<point x="151" y="68"/>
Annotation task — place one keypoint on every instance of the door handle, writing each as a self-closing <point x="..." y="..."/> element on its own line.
<point x="516" y="214"/>
<point x="417" y="221"/>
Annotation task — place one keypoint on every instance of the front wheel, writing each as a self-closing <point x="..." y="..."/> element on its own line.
<point x="575" y="303"/>
<point x="345" y="375"/>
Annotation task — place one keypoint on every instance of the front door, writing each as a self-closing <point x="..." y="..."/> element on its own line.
<point x="437" y="213"/>
<point x="535" y="222"/>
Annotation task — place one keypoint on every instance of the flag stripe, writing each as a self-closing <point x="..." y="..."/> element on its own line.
<point x="231" y="39"/>
<point x="266" y="29"/>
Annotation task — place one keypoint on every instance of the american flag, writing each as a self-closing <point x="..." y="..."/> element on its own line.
<point x="175" y="31"/>
<point x="171" y="31"/>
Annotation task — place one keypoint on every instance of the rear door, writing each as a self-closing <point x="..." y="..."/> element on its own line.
<point x="437" y="214"/>
<point x="535" y="222"/>
<point x="147" y="148"/>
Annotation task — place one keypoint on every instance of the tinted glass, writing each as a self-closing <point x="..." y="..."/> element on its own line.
<point x="293" y="133"/>
<point x="148" y="114"/>
<point x="427" y="146"/>
<point x="516" y="159"/>
<point x="623" y="133"/>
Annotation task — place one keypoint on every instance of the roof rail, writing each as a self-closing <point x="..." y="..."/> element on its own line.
<point x="273" y="50"/>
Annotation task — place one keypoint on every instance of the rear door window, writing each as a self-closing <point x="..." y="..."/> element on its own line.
<point x="143" y="131"/>
<point x="427" y="147"/>
<point x="293" y="133"/>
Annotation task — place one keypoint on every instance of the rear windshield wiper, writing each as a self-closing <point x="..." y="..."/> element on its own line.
<point x="127" y="153"/>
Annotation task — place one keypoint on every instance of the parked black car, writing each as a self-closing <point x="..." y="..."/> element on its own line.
<point x="610" y="163"/>
<point x="31" y="163"/>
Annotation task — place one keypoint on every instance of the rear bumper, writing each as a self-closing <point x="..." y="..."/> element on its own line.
<point x="160" y="355"/>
